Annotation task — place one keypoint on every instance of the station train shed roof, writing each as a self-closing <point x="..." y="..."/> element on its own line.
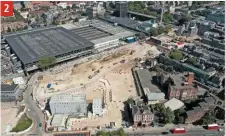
<point x="30" y="46"/>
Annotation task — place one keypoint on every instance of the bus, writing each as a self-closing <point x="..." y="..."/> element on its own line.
<point x="213" y="127"/>
<point x="179" y="130"/>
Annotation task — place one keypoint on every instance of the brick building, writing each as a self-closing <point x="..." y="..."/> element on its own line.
<point x="183" y="89"/>
<point x="194" y="115"/>
<point x="180" y="86"/>
<point x="198" y="112"/>
<point x="142" y="115"/>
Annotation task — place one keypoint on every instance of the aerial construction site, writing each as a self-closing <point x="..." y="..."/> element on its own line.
<point x="108" y="78"/>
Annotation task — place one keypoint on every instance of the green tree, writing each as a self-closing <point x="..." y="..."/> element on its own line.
<point x="83" y="14"/>
<point x="160" y="107"/>
<point x="208" y="118"/>
<point x="168" y="116"/>
<point x="154" y="31"/>
<point x="119" y="132"/>
<point x="63" y="22"/>
<point x="111" y="5"/>
<point x="136" y="6"/>
<point x="37" y="18"/>
<point x="46" y="61"/>
<point x="221" y="3"/>
<point x="167" y="17"/>
<point x="45" y="8"/>
<point x="184" y="19"/>
<point x="179" y="118"/>
<point x="167" y="29"/>
<point x="22" y="4"/>
<point x="176" y="54"/>
<point x="160" y="30"/>
<point x="17" y="15"/>
<point x="192" y="61"/>
<point x="9" y="29"/>
<point x="76" y="20"/>
<point x="55" y="22"/>
<point x="74" y="6"/>
<point x="68" y="7"/>
<point x="150" y="3"/>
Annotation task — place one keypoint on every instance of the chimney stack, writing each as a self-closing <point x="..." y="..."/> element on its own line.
<point x="190" y="78"/>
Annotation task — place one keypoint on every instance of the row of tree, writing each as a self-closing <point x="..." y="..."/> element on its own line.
<point x="9" y="29"/>
<point x="161" y="29"/>
<point x="140" y="7"/>
<point x="166" y="114"/>
<point x="46" y="61"/>
<point x="119" y="132"/>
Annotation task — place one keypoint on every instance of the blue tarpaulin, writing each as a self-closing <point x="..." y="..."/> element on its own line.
<point x="49" y="85"/>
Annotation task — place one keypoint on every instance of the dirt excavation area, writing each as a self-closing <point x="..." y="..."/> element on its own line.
<point x="8" y="113"/>
<point x="109" y="78"/>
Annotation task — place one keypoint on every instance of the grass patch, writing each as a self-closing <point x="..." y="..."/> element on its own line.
<point x="23" y="123"/>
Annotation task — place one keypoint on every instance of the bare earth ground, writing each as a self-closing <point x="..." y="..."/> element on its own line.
<point x="113" y="75"/>
<point x="8" y="115"/>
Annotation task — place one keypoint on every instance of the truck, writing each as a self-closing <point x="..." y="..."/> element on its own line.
<point x="179" y="130"/>
<point x="213" y="127"/>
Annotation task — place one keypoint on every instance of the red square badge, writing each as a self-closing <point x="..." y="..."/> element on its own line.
<point x="6" y="8"/>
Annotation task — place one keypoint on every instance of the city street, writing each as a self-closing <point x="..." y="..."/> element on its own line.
<point x="34" y="112"/>
<point x="189" y="133"/>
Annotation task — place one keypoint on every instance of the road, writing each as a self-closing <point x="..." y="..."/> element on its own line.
<point x="34" y="112"/>
<point x="189" y="133"/>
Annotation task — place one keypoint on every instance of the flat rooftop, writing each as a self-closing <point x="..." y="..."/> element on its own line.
<point x="68" y="98"/>
<point x="113" y="37"/>
<point x="97" y="103"/>
<point x="90" y="33"/>
<point x="30" y="46"/>
<point x="174" y="104"/>
<point x="145" y="78"/>
<point x="122" y="21"/>
<point x="179" y="80"/>
<point x="6" y="87"/>
<point x="59" y="120"/>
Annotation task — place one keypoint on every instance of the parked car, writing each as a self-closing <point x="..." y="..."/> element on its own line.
<point x="165" y="133"/>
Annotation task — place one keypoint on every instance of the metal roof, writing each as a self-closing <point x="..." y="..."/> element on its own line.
<point x="90" y="33"/>
<point x="113" y="37"/>
<point x="30" y="46"/>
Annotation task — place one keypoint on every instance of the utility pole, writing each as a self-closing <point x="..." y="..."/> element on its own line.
<point x="162" y="11"/>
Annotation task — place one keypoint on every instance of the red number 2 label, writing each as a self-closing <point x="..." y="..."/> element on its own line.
<point x="6" y="8"/>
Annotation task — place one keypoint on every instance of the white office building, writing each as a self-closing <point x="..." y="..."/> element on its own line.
<point x="97" y="107"/>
